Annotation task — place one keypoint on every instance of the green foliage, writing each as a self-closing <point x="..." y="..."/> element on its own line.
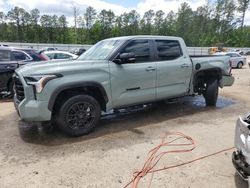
<point x="215" y="22"/>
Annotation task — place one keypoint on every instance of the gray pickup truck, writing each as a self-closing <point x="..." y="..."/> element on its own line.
<point x="115" y="73"/>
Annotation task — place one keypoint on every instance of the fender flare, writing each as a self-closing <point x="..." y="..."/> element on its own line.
<point x="67" y="86"/>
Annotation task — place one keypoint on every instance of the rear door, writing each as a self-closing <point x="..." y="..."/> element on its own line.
<point x="134" y="83"/>
<point x="173" y="69"/>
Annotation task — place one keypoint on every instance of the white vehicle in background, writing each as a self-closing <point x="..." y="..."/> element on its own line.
<point x="60" y="55"/>
<point x="236" y="59"/>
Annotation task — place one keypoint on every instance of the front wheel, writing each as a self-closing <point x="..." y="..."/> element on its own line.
<point x="211" y="93"/>
<point x="11" y="88"/>
<point x="240" y="65"/>
<point x="78" y="115"/>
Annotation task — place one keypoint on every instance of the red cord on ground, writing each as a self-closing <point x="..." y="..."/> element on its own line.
<point x="155" y="156"/>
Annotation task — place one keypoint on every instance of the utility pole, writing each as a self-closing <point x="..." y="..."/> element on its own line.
<point x="76" y="13"/>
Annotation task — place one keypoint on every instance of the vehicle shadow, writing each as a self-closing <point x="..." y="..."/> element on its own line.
<point x="5" y="98"/>
<point x="126" y="120"/>
<point x="239" y="182"/>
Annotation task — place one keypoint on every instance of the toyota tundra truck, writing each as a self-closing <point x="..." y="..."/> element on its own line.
<point x="115" y="73"/>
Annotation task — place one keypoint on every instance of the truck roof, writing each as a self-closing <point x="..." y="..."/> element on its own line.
<point x="144" y="37"/>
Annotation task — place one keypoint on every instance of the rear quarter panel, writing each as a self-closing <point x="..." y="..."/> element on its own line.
<point x="213" y="62"/>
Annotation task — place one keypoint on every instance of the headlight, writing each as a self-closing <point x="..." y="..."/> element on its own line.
<point x="39" y="81"/>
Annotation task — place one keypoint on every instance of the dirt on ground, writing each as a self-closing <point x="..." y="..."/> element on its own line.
<point x="108" y="157"/>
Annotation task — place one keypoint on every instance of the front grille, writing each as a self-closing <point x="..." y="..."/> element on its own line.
<point x="18" y="86"/>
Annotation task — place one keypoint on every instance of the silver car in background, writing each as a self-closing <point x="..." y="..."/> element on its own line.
<point x="54" y="55"/>
<point x="236" y="59"/>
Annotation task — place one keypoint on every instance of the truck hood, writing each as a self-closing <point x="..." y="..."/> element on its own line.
<point x="52" y="67"/>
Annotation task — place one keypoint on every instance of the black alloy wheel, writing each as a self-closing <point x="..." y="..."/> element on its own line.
<point x="78" y="115"/>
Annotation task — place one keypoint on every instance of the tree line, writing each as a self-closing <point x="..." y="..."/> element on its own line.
<point x="220" y="21"/>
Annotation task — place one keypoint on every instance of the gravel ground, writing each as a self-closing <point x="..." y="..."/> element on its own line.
<point x="108" y="157"/>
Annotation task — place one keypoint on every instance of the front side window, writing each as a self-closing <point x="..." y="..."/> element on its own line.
<point x="168" y="49"/>
<point x="63" y="56"/>
<point x="51" y="55"/>
<point x="5" y="55"/>
<point x="140" y="48"/>
<point x="19" y="56"/>
<point x="230" y="55"/>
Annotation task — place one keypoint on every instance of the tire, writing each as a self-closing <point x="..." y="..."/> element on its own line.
<point x="211" y="93"/>
<point x="11" y="89"/>
<point x="240" y="65"/>
<point x="78" y="115"/>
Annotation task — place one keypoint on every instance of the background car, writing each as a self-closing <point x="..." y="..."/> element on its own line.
<point x="36" y="56"/>
<point x="80" y="51"/>
<point x="60" y="55"/>
<point x="4" y="45"/>
<point x="47" y="49"/>
<point x="11" y="59"/>
<point x="237" y="60"/>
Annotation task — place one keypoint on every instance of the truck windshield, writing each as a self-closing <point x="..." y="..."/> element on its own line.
<point x="101" y="50"/>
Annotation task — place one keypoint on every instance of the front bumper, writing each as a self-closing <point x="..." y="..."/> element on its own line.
<point x="32" y="110"/>
<point x="226" y="81"/>
<point x="241" y="158"/>
<point x="29" y="108"/>
<point x="241" y="166"/>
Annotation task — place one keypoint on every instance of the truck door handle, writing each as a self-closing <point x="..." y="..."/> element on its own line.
<point x="184" y="65"/>
<point x="150" y="69"/>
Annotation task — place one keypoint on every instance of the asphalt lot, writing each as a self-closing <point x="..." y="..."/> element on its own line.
<point x="109" y="156"/>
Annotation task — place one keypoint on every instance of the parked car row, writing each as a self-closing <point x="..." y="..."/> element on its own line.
<point x="60" y="55"/>
<point x="11" y="58"/>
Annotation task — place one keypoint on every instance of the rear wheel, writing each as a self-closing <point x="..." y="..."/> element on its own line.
<point x="239" y="65"/>
<point x="211" y="93"/>
<point x="78" y="115"/>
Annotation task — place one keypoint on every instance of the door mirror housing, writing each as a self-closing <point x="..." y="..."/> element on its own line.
<point x="125" y="58"/>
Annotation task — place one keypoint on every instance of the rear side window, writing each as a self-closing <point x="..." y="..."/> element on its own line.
<point x="63" y="56"/>
<point x="140" y="48"/>
<point x="5" y="55"/>
<point x="235" y="55"/>
<point x="168" y="49"/>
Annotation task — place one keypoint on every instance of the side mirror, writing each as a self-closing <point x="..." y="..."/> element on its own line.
<point x="125" y="58"/>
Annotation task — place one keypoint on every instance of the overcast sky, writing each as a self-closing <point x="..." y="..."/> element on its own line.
<point x="65" y="7"/>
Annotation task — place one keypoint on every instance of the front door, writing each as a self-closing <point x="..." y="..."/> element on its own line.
<point x="134" y="83"/>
